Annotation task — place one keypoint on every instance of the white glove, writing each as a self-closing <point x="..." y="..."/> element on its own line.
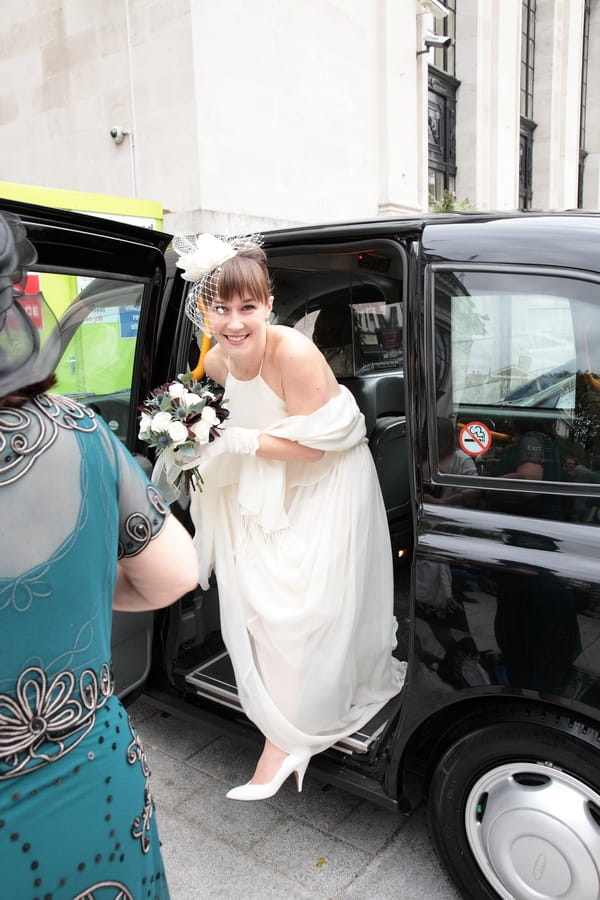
<point x="232" y="440"/>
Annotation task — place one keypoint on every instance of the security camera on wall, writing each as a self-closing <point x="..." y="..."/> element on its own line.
<point x="436" y="40"/>
<point x="118" y="135"/>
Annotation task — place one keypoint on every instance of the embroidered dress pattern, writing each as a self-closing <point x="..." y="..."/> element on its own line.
<point x="106" y="890"/>
<point x="67" y="413"/>
<point x="141" y="824"/>
<point x="27" y="432"/>
<point x="138" y="528"/>
<point x="21" y="592"/>
<point x="46" y="721"/>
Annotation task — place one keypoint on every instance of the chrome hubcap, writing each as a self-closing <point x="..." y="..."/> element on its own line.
<point x="535" y="832"/>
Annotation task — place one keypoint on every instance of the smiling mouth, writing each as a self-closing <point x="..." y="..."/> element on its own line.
<point x="236" y="339"/>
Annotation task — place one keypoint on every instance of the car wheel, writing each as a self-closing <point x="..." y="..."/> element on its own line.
<point x="514" y="812"/>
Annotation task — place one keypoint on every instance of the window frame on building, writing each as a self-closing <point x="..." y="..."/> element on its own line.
<point x="528" y="12"/>
<point x="585" y="53"/>
<point x="441" y="112"/>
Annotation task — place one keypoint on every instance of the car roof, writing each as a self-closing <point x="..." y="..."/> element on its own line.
<point x="554" y="238"/>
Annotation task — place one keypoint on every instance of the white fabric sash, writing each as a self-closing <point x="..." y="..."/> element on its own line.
<point x="262" y="484"/>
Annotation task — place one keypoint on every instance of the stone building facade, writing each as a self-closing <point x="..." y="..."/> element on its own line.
<point x="238" y="115"/>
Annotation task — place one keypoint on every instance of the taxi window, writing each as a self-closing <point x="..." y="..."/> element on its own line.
<point x="348" y="302"/>
<point x="98" y="320"/>
<point x="517" y="376"/>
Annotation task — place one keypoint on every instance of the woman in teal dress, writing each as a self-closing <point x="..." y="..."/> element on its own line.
<point x="81" y="528"/>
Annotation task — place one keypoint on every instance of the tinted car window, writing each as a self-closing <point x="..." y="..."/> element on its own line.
<point x="98" y="319"/>
<point x="518" y="378"/>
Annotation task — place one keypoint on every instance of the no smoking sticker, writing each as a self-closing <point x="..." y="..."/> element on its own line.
<point x="475" y="438"/>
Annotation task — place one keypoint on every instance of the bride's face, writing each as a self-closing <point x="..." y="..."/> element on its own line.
<point x="239" y="324"/>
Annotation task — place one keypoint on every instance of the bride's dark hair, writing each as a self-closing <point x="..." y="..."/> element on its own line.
<point x="22" y="395"/>
<point x="246" y="274"/>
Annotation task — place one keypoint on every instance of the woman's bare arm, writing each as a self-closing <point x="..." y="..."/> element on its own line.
<point x="271" y="447"/>
<point x="162" y="573"/>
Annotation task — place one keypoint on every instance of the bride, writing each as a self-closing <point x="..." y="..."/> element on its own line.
<point x="292" y="520"/>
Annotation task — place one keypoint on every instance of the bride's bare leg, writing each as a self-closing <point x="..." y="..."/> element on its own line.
<point x="268" y="764"/>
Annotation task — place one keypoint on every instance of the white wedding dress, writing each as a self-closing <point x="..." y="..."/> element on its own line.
<point x="302" y="558"/>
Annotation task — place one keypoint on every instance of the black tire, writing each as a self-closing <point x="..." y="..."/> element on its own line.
<point x="514" y="811"/>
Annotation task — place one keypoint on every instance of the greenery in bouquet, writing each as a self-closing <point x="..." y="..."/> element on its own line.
<point x="179" y="418"/>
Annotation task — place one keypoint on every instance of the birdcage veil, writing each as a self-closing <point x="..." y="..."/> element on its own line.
<point x="200" y="259"/>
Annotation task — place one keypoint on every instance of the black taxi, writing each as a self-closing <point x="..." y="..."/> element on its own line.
<point x="472" y="344"/>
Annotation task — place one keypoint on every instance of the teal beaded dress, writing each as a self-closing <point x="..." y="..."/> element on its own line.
<point x="76" y="812"/>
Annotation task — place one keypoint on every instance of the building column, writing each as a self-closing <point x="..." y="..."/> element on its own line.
<point x="556" y="103"/>
<point x="591" y="171"/>
<point x="488" y="60"/>
<point x="401" y="147"/>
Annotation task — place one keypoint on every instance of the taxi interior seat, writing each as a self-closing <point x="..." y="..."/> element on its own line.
<point x="387" y="442"/>
<point x="380" y="397"/>
<point x="381" y="400"/>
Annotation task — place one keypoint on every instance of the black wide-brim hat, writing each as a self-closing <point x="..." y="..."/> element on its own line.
<point x="27" y="356"/>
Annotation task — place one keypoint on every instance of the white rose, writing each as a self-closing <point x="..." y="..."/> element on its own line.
<point x="176" y="390"/>
<point x="201" y="431"/>
<point x="210" y="252"/>
<point x="145" y="421"/>
<point x="209" y="416"/>
<point x="190" y="400"/>
<point x="178" y="432"/>
<point x="161" y="422"/>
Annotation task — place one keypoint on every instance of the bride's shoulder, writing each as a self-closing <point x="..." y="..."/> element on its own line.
<point x="302" y="368"/>
<point x="291" y="344"/>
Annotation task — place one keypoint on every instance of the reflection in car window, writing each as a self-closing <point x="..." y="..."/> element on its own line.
<point x="503" y="346"/>
<point x="378" y="335"/>
<point x="99" y="320"/>
<point x="524" y="376"/>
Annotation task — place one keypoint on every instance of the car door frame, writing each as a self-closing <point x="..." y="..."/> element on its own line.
<point x="74" y="243"/>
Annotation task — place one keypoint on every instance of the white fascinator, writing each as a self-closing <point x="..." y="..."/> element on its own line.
<point x="200" y="259"/>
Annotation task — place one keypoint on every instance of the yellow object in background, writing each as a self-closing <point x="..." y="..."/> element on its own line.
<point x="205" y="345"/>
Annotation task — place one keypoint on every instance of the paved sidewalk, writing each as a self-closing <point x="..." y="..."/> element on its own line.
<point x="321" y="844"/>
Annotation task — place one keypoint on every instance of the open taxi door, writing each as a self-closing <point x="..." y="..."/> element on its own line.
<point x="105" y="282"/>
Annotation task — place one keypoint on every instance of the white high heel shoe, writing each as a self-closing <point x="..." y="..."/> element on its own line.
<point x="249" y="791"/>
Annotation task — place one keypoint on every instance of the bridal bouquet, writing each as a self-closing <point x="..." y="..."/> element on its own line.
<point x="178" y="418"/>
